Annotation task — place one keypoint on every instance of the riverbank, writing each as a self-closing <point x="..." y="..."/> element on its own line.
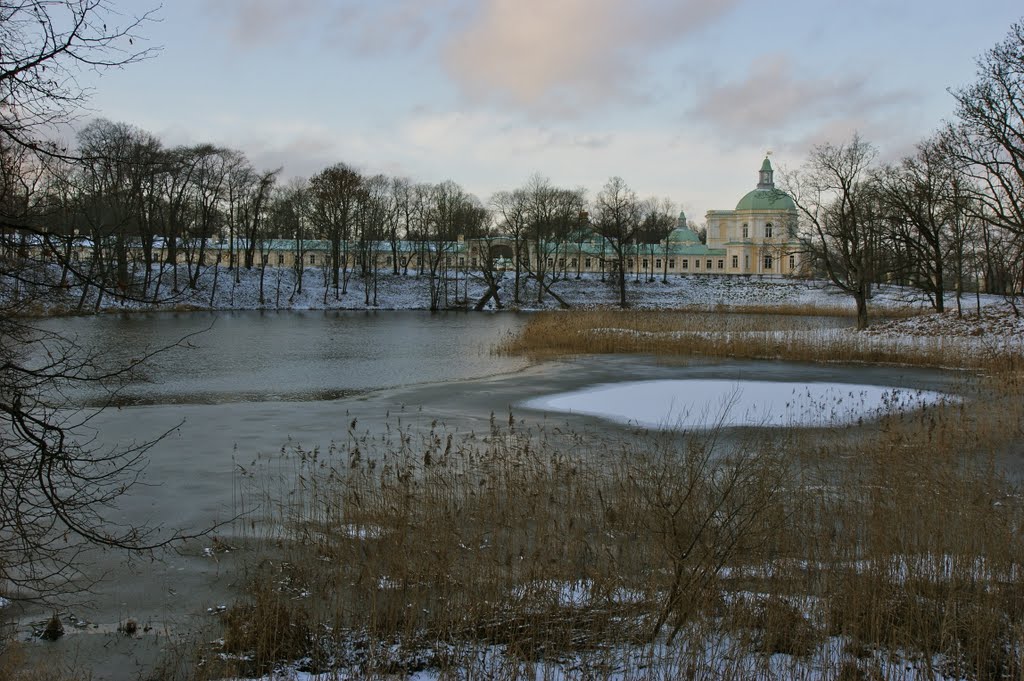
<point x="222" y="289"/>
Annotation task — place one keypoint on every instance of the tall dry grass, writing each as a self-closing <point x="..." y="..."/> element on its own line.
<point x="892" y="551"/>
<point x="745" y="336"/>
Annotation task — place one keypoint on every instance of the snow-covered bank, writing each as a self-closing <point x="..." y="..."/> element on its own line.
<point x="219" y="290"/>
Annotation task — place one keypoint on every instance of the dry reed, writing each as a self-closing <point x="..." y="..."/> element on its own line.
<point x="746" y="336"/>
<point x="891" y="551"/>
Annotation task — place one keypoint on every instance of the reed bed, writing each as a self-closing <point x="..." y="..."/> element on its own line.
<point x="747" y="336"/>
<point x="890" y="551"/>
<point x="846" y="310"/>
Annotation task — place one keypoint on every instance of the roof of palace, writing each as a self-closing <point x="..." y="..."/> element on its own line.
<point x="765" y="196"/>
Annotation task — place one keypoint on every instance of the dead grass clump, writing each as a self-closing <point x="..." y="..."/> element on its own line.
<point x="264" y="630"/>
<point x="16" y="665"/>
<point x="857" y="670"/>
<point x="775" y="624"/>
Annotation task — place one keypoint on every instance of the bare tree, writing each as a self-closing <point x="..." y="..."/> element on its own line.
<point x="512" y="209"/>
<point x="449" y="213"/>
<point x="486" y="237"/>
<point x="918" y="205"/>
<point x="833" y="193"/>
<point x="550" y="215"/>
<point x="617" y="218"/>
<point x="397" y="227"/>
<point x="988" y="138"/>
<point x="334" y="196"/>
<point x="44" y="45"/>
<point x="376" y="211"/>
<point x="658" y="219"/>
<point x="57" y="490"/>
<point x="988" y="142"/>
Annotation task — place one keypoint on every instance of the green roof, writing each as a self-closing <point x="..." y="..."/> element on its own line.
<point x="766" y="199"/>
<point x="682" y="235"/>
<point x="766" y="166"/>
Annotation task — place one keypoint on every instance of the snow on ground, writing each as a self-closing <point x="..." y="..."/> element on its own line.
<point x="690" y="404"/>
<point x="995" y="318"/>
<point x="218" y="290"/>
<point x="704" y="655"/>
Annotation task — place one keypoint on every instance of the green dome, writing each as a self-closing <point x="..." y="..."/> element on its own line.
<point x="766" y="199"/>
<point x="682" y="235"/>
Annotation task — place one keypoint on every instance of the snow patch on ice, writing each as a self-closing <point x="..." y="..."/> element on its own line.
<point x="704" y="403"/>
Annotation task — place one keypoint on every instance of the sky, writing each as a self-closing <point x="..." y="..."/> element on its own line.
<point x="680" y="98"/>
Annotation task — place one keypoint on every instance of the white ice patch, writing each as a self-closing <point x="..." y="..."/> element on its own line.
<point x="706" y="403"/>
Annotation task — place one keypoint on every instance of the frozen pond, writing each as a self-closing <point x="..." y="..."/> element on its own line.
<point x="706" y="403"/>
<point x="255" y="383"/>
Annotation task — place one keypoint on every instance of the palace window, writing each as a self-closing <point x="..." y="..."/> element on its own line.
<point x="735" y="261"/>
<point x="280" y="258"/>
<point x="472" y="262"/>
<point x="792" y="263"/>
<point x="561" y="262"/>
<point x="696" y="263"/>
<point x="312" y="259"/>
<point x="671" y="263"/>
<point x="462" y="261"/>
<point x="657" y="263"/>
<point x="586" y="263"/>
<point x="572" y="263"/>
<point x="551" y="262"/>
<point x="645" y="263"/>
<point x="746" y="231"/>
<point x="767" y="262"/>
<point x="709" y="264"/>
<point x="686" y="264"/>
<point x="768" y="231"/>
<point x="630" y="263"/>
<point x="721" y="263"/>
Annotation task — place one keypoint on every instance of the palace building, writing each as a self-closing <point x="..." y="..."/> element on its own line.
<point x="760" y="235"/>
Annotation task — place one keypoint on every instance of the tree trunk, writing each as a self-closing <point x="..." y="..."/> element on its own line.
<point x="862" y="309"/>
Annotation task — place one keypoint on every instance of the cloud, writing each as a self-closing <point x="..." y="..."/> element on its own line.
<point x="535" y="55"/>
<point x="253" y="23"/>
<point x="774" y="102"/>
<point x="566" y="55"/>
<point x="352" y="26"/>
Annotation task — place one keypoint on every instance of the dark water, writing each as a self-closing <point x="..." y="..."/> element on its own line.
<point x="252" y="383"/>
<point x="293" y="356"/>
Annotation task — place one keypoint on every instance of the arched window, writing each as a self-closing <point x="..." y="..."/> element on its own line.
<point x="768" y="231"/>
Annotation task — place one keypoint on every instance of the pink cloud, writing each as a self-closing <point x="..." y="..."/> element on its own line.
<point x="565" y="55"/>
<point x="773" y="100"/>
